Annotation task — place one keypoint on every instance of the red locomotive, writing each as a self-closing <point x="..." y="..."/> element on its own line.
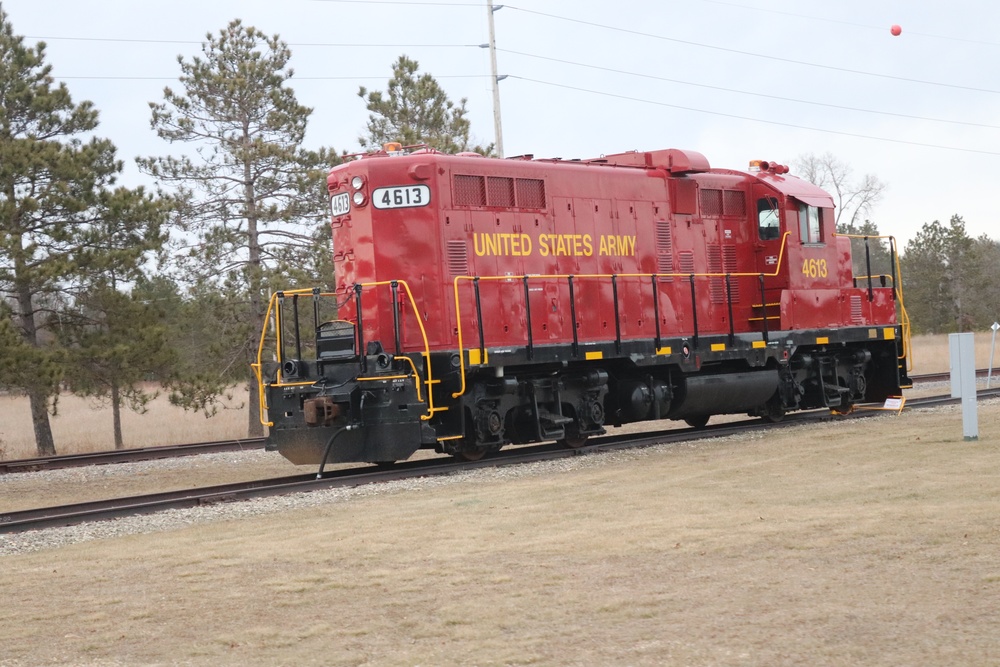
<point x="482" y="302"/>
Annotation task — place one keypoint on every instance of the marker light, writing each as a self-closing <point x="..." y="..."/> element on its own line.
<point x="359" y="198"/>
<point x="357" y="182"/>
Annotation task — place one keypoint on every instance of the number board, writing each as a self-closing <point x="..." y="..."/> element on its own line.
<point x="340" y="204"/>
<point x="401" y="196"/>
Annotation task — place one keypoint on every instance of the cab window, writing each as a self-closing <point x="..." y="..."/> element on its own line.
<point x="767" y="219"/>
<point x="810" y="230"/>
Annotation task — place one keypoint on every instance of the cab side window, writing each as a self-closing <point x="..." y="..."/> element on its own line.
<point x="768" y="223"/>
<point x="809" y="227"/>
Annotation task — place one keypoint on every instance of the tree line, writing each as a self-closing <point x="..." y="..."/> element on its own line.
<point x="106" y="291"/>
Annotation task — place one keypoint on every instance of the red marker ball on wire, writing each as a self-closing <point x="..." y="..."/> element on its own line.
<point x="895" y="30"/>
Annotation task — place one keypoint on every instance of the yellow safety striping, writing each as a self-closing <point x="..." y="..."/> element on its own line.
<point x="757" y="344"/>
<point x="822" y="340"/>
<point x="889" y="333"/>
<point x="718" y="347"/>
<point x="663" y="350"/>
<point x="595" y="355"/>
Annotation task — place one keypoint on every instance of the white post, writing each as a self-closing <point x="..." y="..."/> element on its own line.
<point x="993" y="346"/>
<point x="963" y="373"/>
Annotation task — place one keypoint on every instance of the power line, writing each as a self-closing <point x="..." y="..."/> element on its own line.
<point x="559" y="18"/>
<point x="747" y="92"/>
<point x="293" y="79"/>
<point x="752" y="54"/>
<point x="749" y="118"/>
<point x="881" y="28"/>
<point x="199" y="43"/>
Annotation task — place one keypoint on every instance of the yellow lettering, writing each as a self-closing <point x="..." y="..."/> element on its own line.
<point x="515" y="245"/>
<point x="561" y="245"/>
<point x="588" y="246"/>
<point x="543" y="246"/>
<point x="617" y="246"/>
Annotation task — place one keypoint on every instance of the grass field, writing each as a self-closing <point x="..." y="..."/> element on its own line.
<point x="83" y="425"/>
<point x="870" y="542"/>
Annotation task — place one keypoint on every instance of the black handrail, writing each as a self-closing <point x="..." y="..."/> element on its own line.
<point x="394" y="286"/>
<point x="729" y="301"/>
<point x="361" y="327"/>
<point x="763" y="305"/>
<point x="572" y="314"/>
<point x="479" y="320"/>
<point x="694" y="312"/>
<point x="527" y="315"/>
<point x="656" y="310"/>
<point x="618" y="322"/>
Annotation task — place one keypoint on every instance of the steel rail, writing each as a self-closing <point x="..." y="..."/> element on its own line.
<point x="128" y="455"/>
<point x="48" y="517"/>
<point x="946" y="376"/>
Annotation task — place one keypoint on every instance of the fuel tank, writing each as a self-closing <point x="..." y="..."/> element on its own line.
<point x="725" y="393"/>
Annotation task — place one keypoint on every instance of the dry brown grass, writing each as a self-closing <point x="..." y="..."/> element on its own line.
<point x="84" y="425"/>
<point x="852" y="543"/>
<point x="930" y="353"/>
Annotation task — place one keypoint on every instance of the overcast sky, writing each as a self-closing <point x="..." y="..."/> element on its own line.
<point x="733" y="79"/>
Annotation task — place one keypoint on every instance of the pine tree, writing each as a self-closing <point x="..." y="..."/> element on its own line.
<point x="939" y="277"/>
<point x="252" y="195"/>
<point x="115" y="340"/>
<point x="51" y="179"/>
<point x="416" y="110"/>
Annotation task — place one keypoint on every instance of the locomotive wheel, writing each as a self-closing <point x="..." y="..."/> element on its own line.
<point x="470" y="453"/>
<point x="697" y="422"/>
<point x="573" y="441"/>
<point x="773" y="416"/>
<point x="774" y="412"/>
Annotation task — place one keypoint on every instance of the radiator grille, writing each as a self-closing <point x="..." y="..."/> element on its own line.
<point x="685" y="261"/>
<point x="711" y="203"/>
<point x="857" y="316"/>
<point x="664" y="248"/>
<point x="458" y="257"/>
<point x="499" y="191"/>
<point x="722" y="259"/>
<point x="530" y="192"/>
<point x="469" y="190"/>
<point x="716" y="203"/>
<point x="734" y="202"/>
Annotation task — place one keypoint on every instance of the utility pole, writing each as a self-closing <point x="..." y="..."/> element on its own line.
<point x="496" y="80"/>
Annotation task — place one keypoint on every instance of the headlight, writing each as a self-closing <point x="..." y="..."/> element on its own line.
<point x="357" y="183"/>
<point x="359" y="198"/>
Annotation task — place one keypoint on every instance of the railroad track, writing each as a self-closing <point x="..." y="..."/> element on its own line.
<point x="47" y="517"/>
<point x="168" y="451"/>
<point x="128" y="455"/>
<point x="946" y="376"/>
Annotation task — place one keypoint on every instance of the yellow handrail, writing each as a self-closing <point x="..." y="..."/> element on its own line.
<point x="561" y="276"/>
<point x="904" y="317"/>
<point x="427" y="348"/>
<point x="272" y="308"/>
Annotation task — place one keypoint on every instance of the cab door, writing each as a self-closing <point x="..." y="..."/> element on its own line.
<point x="771" y="257"/>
